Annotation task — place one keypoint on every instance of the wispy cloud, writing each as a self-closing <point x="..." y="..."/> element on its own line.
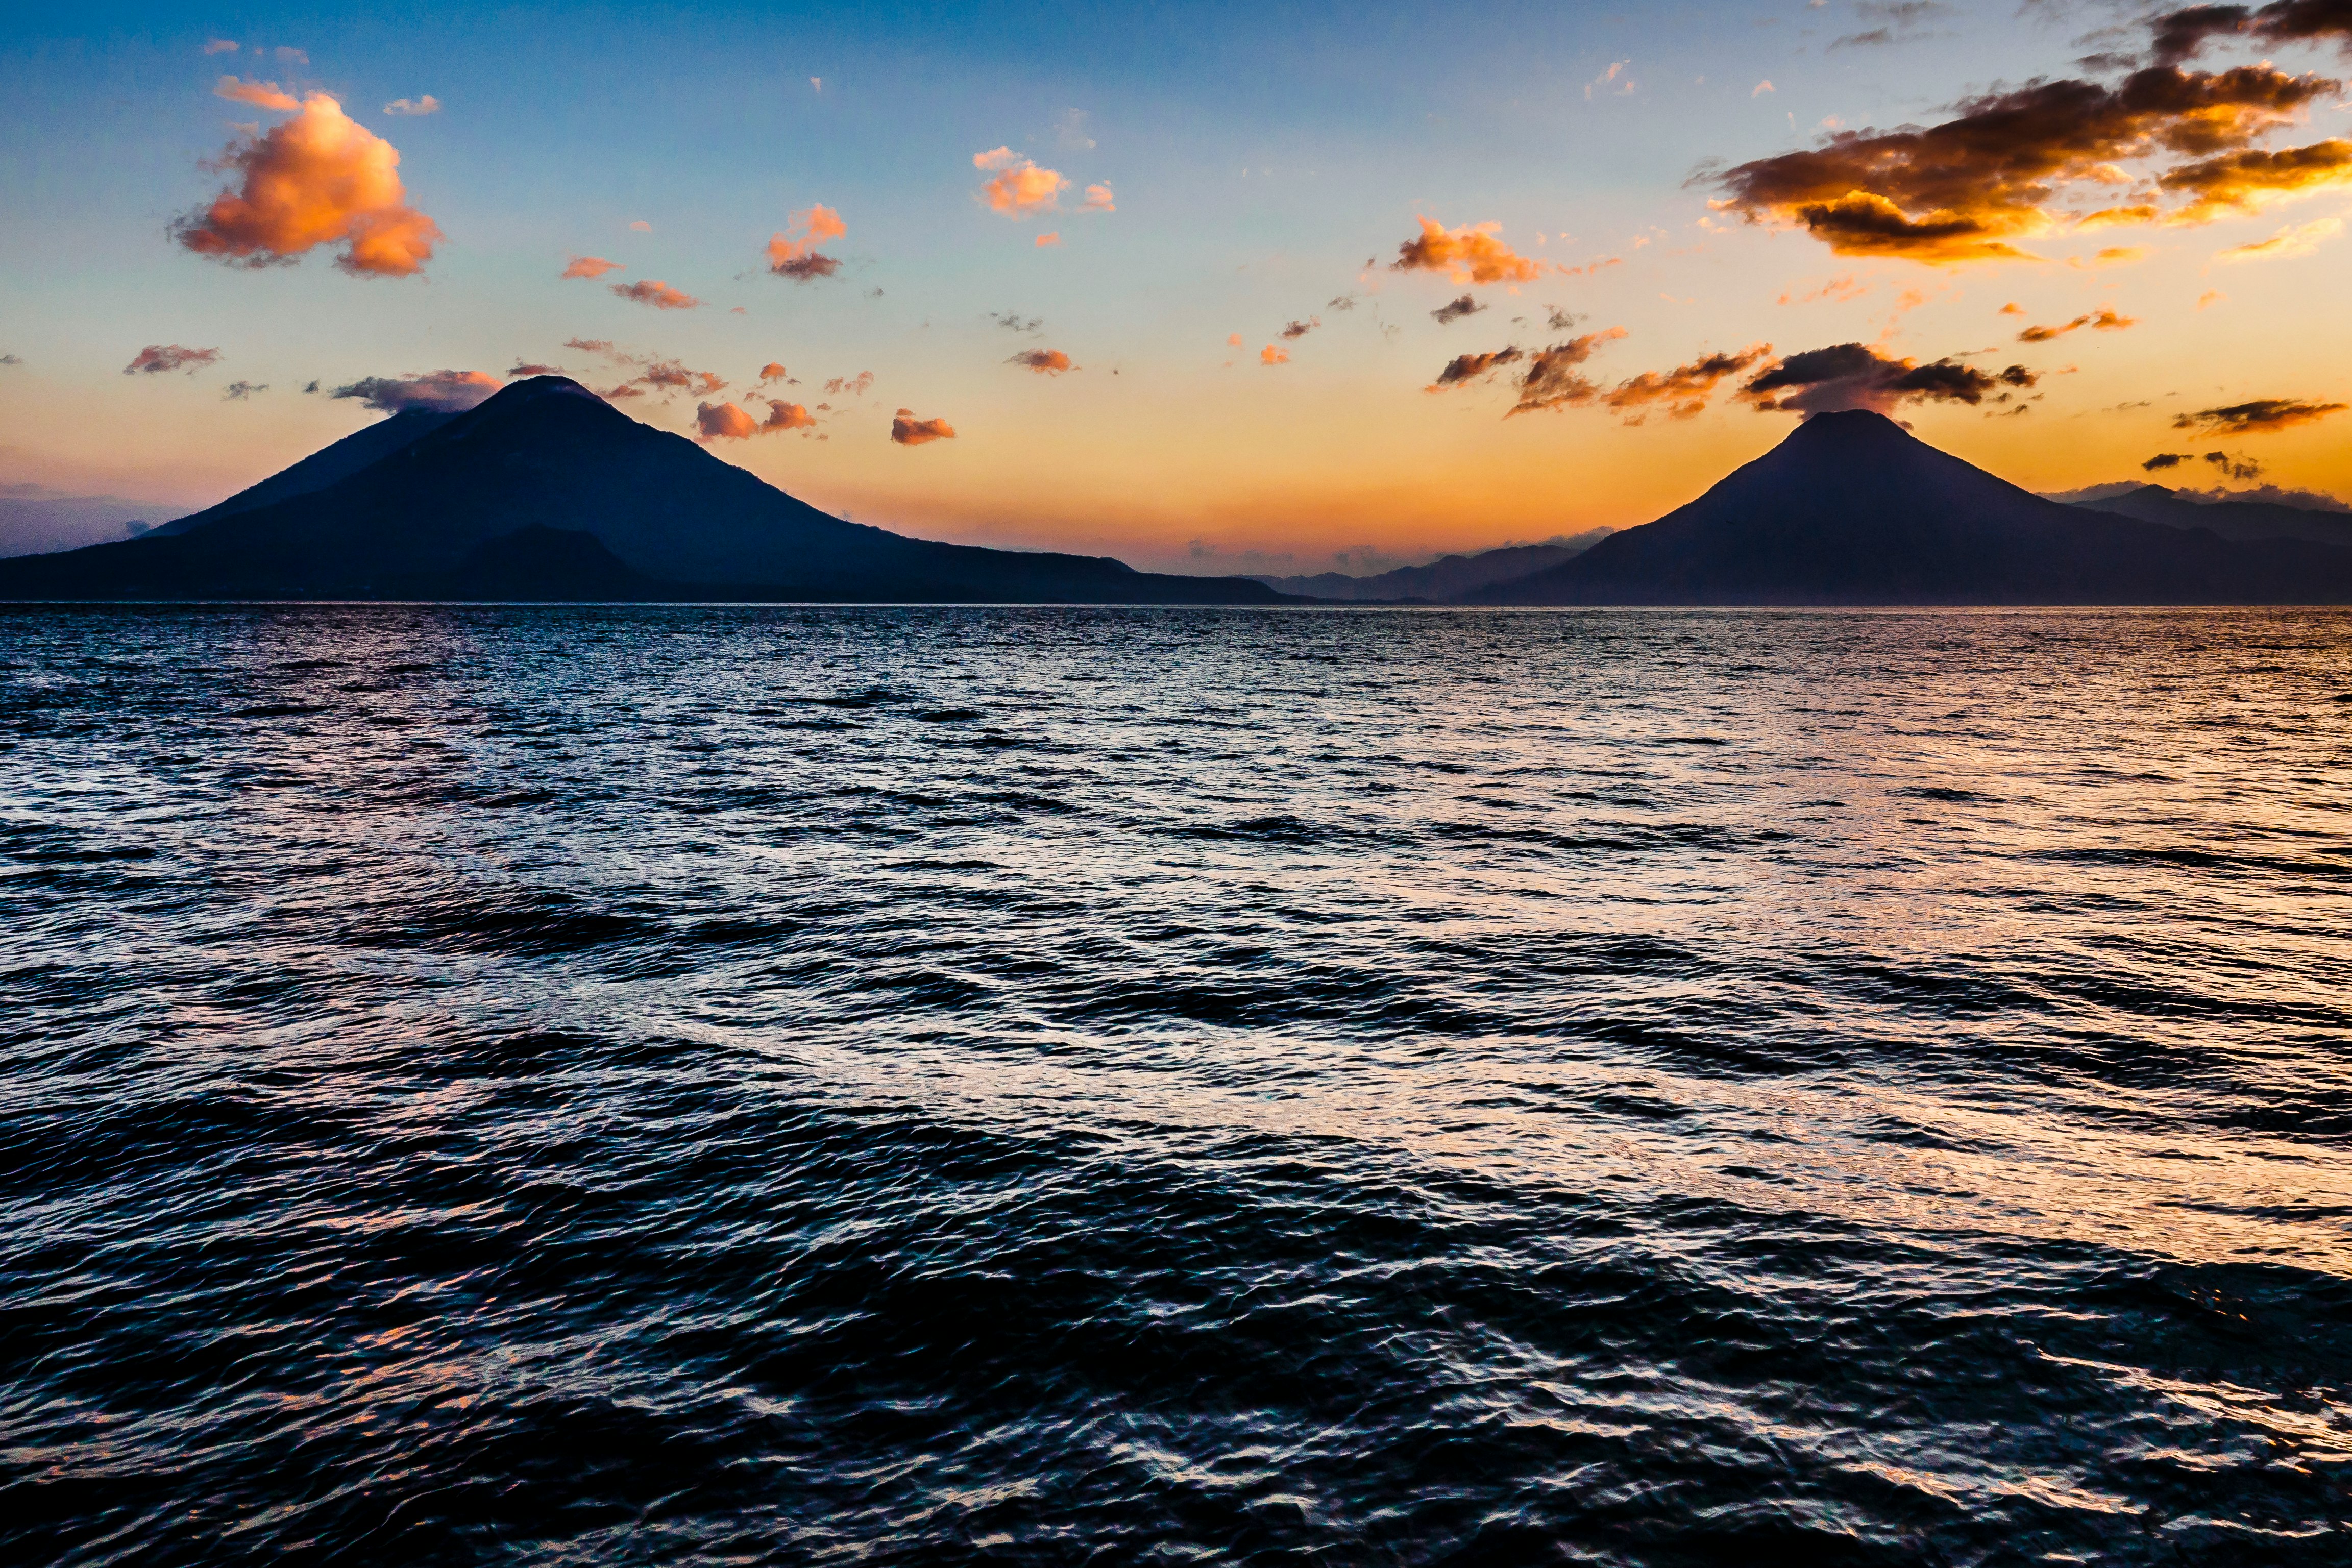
<point x="157" y="358"/>
<point x="655" y="292"/>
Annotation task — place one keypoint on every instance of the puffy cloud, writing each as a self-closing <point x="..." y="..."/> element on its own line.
<point x="784" y="415"/>
<point x="440" y="391"/>
<point x="1470" y="254"/>
<point x="2259" y="418"/>
<point x="428" y="104"/>
<point x="1463" y="369"/>
<point x="1098" y="200"/>
<point x="1044" y="362"/>
<point x="2104" y="319"/>
<point x="238" y="390"/>
<point x="773" y="371"/>
<point x="724" y="421"/>
<point x="799" y="259"/>
<point x="157" y="358"/>
<point x="1455" y="309"/>
<point x="1016" y="186"/>
<point x="1683" y="391"/>
<point x="1294" y="330"/>
<point x="523" y="370"/>
<point x="591" y="267"/>
<point x="655" y="292"/>
<point x="2295" y="239"/>
<point x="1552" y="379"/>
<point x="320" y="178"/>
<point x="909" y="431"/>
<point x="1272" y="355"/>
<point x="1855" y="375"/>
<point x="2163" y="460"/>
<point x="2242" y="181"/>
<point x="1963" y="190"/>
<point x="261" y="94"/>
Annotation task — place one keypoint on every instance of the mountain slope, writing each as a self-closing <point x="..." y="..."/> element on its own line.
<point x="1446" y="578"/>
<point x="327" y="466"/>
<point x="548" y="455"/>
<point x="2230" y="519"/>
<point x="1853" y="510"/>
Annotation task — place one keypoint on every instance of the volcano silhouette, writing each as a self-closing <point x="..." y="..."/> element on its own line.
<point x="1851" y="509"/>
<point x="546" y="492"/>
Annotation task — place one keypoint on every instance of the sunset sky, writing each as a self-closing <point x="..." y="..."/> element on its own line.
<point x="1178" y="280"/>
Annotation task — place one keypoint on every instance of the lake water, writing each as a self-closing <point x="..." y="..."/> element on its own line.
<point x="685" y="1085"/>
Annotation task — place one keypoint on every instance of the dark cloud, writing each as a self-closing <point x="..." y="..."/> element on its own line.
<point x="1855" y="375"/>
<point x="908" y="431"/>
<point x="2235" y="466"/>
<point x="1552" y="379"/>
<point x="156" y="358"/>
<point x="1012" y="322"/>
<point x="1560" y="320"/>
<point x="238" y="390"/>
<point x="1683" y="392"/>
<point x="1462" y="368"/>
<point x="1455" y="309"/>
<point x="655" y="292"/>
<point x="2257" y="418"/>
<point x="2163" y="460"/>
<point x="1299" y="329"/>
<point x="2181" y="34"/>
<point x="440" y="391"/>
<point x="1044" y="362"/>
<point x="668" y="375"/>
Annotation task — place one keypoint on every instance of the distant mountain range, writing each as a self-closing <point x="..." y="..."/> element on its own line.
<point x="546" y="492"/>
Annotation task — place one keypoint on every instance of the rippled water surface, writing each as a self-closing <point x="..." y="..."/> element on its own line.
<point x="634" y="1086"/>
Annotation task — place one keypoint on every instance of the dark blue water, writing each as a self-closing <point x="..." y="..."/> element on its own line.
<point x="666" y="1086"/>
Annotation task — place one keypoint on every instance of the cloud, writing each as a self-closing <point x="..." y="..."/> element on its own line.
<point x="668" y="375"/>
<point x="2242" y="182"/>
<point x="784" y="415"/>
<point x="238" y="390"/>
<point x="439" y="392"/>
<point x="655" y="292"/>
<point x="1455" y="309"/>
<point x="799" y="259"/>
<point x="318" y="179"/>
<point x="1855" y="375"/>
<point x="2235" y="466"/>
<point x="2277" y="495"/>
<point x="1012" y="322"/>
<point x="1098" y="200"/>
<point x="157" y="358"/>
<point x="1017" y="188"/>
<point x="724" y="422"/>
<point x="1463" y="369"/>
<point x="1560" y="320"/>
<point x="773" y="371"/>
<point x="908" y="431"/>
<point x="1840" y="289"/>
<point x="2259" y="418"/>
<point x="2181" y="34"/>
<point x="220" y="45"/>
<point x="2104" y="319"/>
<point x="261" y="94"/>
<point x="1614" y="80"/>
<point x="1233" y="340"/>
<point x="850" y="386"/>
<point x="2295" y="239"/>
<point x="528" y="368"/>
<point x="1052" y="237"/>
<point x="590" y="345"/>
<point x="10" y="359"/>
<point x="1294" y="330"/>
<point x="1762" y="88"/>
<point x="1964" y="190"/>
<point x="1044" y="362"/>
<point x="591" y="267"/>
<point x="2163" y="460"/>
<point x="2012" y="309"/>
<point x="428" y="104"/>
<point x="641" y="225"/>
<point x="1272" y="355"/>
<point x="1683" y="392"/>
<point x="1070" y="130"/>
<point x="1552" y="380"/>
<point x="1470" y="254"/>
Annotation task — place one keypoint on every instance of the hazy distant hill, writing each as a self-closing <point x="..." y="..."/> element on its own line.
<point x="1444" y="579"/>
<point x="544" y="491"/>
<point x="1853" y="510"/>
<point x="2230" y="519"/>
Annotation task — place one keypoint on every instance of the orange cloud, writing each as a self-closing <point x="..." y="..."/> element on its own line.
<point x="1467" y="254"/>
<point x="1552" y="380"/>
<point x="1044" y="362"/>
<point x="655" y="292"/>
<point x="1233" y="340"/>
<point x="908" y="431"/>
<point x="1964" y="190"/>
<point x="1053" y="238"/>
<point x="1684" y="390"/>
<point x="785" y="417"/>
<point x="2103" y="320"/>
<point x="668" y="375"/>
<point x="318" y="179"/>
<point x="261" y="94"/>
<point x="1855" y="375"/>
<point x="1272" y="355"/>
<point x="773" y="371"/>
<point x="1018" y="187"/>
<point x="155" y="359"/>
<point x="799" y="259"/>
<point x="591" y="267"/>
<point x="850" y="386"/>
<point x="2241" y="182"/>
<point x="441" y="390"/>
<point x="2262" y="416"/>
<point x="2296" y="239"/>
<point x="724" y="422"/>
<point x="1098" y="200"/>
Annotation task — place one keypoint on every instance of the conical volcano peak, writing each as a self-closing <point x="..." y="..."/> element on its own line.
<point x="1849" y="425"/>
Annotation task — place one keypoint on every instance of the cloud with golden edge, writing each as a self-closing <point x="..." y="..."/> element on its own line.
<point x="2182" y="35"/>
<point x="261" y="94"/>
<point x="1966" y="189"/>
<point x="156" y="358"/>
<point x="2260" y="417"/>
<point x="1856" y="375"/>
<point x="591" y="267"/>
<point x="1552" y="380"/>
<point x="1470" y="254"/>
<point x="1683" y="392"/>
<point x="1016" y="186"/>
<point x="773" y="371"/>
<point x="438" y="391"/>
<point x="2244" y="181"/>
<point x="655" y="292"/>
<point x="799" y="259"/>
<point x="908" y="431"/>
<point x="782" y="415"/>
<point x="724" y="422"/>
<point x="1044" y="362"/>
<point x="2296" y="239"/>
<point x="1272" y="355"/>
<point x="320" y="178"/>
<point x="2104" y="319"/>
